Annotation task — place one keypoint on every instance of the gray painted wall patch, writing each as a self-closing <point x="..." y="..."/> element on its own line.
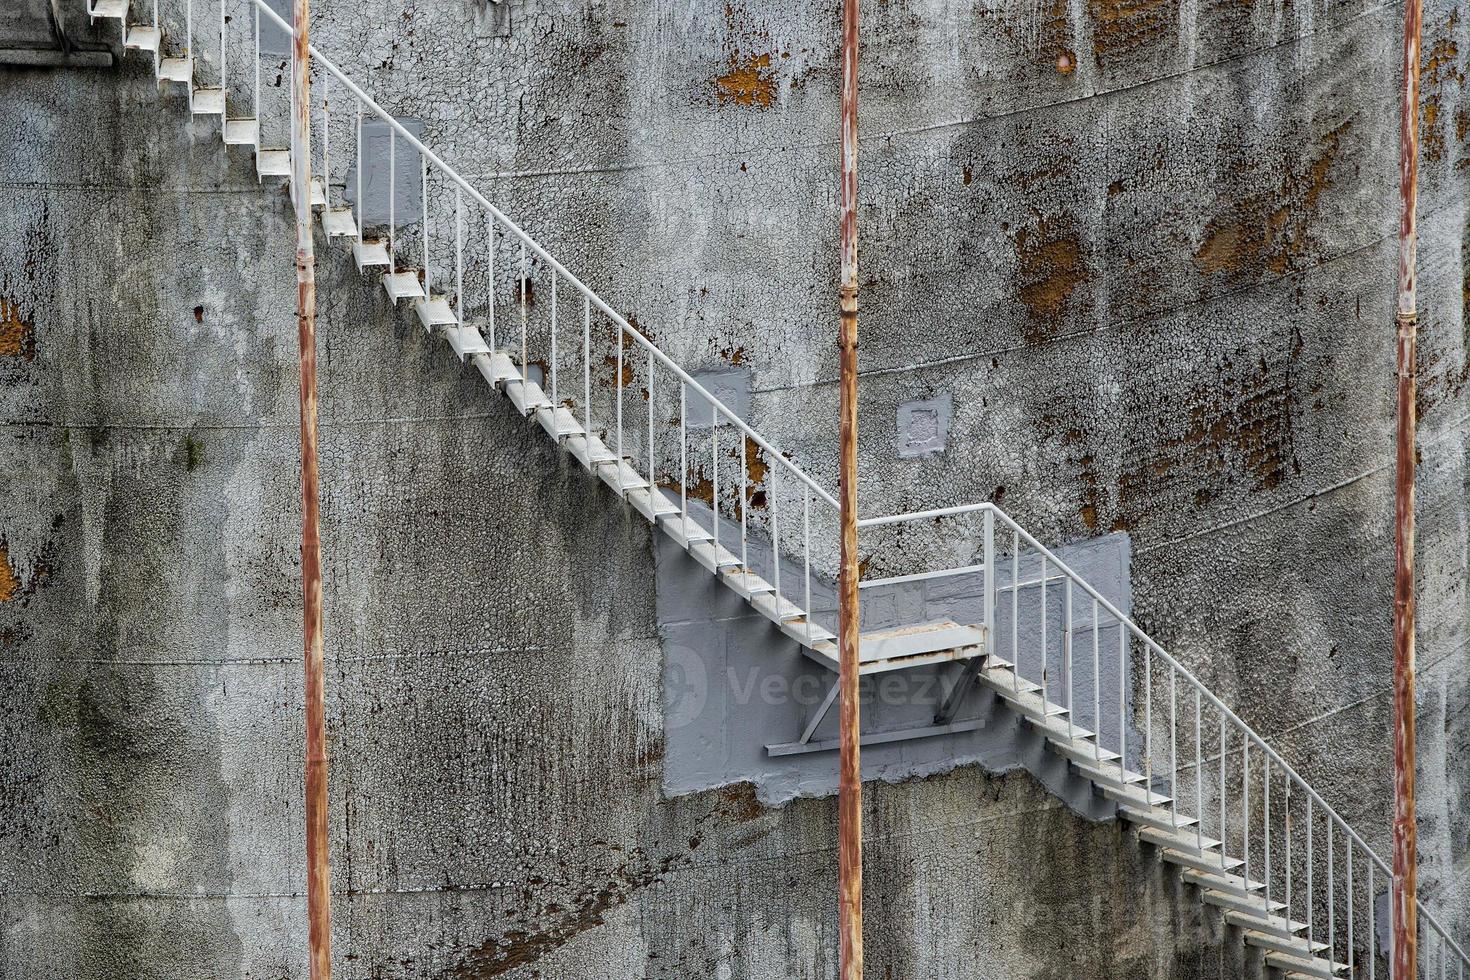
<point x="923" y="426"/>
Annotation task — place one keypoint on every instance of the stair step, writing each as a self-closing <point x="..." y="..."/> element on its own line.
<point x="776" y="608"/>
<point x="620" y="476"/>
<point x="746" y="583"/>
<point x="713" y="557"/>
<point x="178" y="70"/>
<point x="465" y="341"/>
<point x="1004" y="677"/>
<point x="526" y="396"/>
<point x="116" y="9"/>
<point x="1156" y="817"/>
<point x="1084" y="751"/>
<point x="370" y="254"/>
<point x="144" y="37"/>
<point x="318" y="193"/>
<point x="1253" y="906"/>
<point x="1181" y="840"/>
<point x="1295" y="964"/>
<point x="590" y="451"/>
<point x="559" y="422"/>
<point x="1200" y="862"/>
<point x="404" y="284"/>
<point x="685" y="530"/>
<point x="435" y="311"/>
<point x="208" y="102"/>
<point x="1221" y="882"/>
<point x="799" y="631"/>
<point x="339" y="223"/>
<point x="241" y="132"/>
<point x="651" y="502"/>
<point x="1132" y="795"/>
<point x="1274" y="925"/>
<point x="1291" y="945"/>
<point x="273" y="163"/>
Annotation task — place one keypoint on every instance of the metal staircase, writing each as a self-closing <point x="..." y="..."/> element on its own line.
<point x="1202" y="788"/>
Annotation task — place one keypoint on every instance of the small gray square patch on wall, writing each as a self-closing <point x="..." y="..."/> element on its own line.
<point x="923" y="427"/>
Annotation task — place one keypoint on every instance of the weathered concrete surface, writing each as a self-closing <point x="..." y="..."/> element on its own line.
<point x="1145" y="248"/>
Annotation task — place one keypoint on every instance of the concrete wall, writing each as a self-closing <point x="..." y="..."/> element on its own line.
<point x="1145" y="249"/>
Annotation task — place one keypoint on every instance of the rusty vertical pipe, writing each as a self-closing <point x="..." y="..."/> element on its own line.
<point x="318" y="873"/>
<point x="1405" y="843"/>
<point x="850" y="781"/>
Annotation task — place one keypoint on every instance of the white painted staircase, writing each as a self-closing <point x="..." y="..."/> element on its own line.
<point x="1201" y="787"/>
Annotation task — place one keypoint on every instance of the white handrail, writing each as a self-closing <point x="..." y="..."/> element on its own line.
<point x="551" y="261"/>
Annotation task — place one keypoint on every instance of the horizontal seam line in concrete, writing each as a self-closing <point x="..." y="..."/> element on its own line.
<point x="1453" y="428"/>
<point x="268" y="661"/>
<point x="935" y="127"/>
<point x="325" y="423"/>
<point x="1110" y="325"/>
<point x="39" y="185"/>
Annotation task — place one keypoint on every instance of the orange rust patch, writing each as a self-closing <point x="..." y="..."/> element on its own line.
<point x="17" y="336"/>
<point x="749" y="82"/>
<point x="1051" y="270"/>
<point x="9" y="581"/>
<point x="1121" y="26"/>
<point x="1269" y="231"/>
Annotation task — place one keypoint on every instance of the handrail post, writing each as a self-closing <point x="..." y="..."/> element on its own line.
<point x="988" y="539"/>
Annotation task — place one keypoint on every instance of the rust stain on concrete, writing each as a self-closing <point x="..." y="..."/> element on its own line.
<point x="1268" y="232"/>
<point x="1051" y="268"/>
<point x="9" y="581"/>
<point x="1121" y="26"/>
<point x="749" y="82"/>
<point x="17" y="335"/>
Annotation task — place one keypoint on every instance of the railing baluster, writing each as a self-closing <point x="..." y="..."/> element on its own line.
<point x="618" y="463"/>
<point x="326" y="177"/>
<point x="1224" y="835"/>
<point x="392" y="201"/>
<point x="459" y="256"/>
<point x="714" y="496"/>
<point x="1351" y="959"/>
<point x="1097" y="738"/>
<point x="1148" y="726"/>
<point x="744" y="495"/>
<point x="525" y="315"/>
<point x="653" y="487"/>
<point x="1331" y="904"/>
<point x="1245" y="804"/>
<point x="1016" y="610"/>
<point x="806" y="551"/>
<point x="1173" y="748"/>
<point x="490" y="278"/>
<point x="257" y="84"/>
<point x="555" y="397"/>
<point x="1311" y="904"/>
<point x="683" y="455"/>
<point x="775" y="512"/>
<point x="224" y="73"/>
<point x="1372" y="928"/>
<point x="1287" y="827"/>
<point x="1044" y="665"/>
<point x="1123" y="698"/>
<point x="1199" y="779"/>
<point x="587" y="390"/>
<point x="1067" y="659"/>
<point x="361" y="211"/>
<point x="424" y="200"/>
<point x="1266" y="825"/>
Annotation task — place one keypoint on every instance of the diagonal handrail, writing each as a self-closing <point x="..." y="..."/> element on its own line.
<point x="1178" y="669"/>
<point x="529" y="242"/>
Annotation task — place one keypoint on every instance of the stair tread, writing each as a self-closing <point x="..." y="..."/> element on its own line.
<point x="143" y="37"/>
<point x="208" y="102"/>
<point x="435" y="311"/>
<point x="115" y="9"/>
<point x="403" y="284"/>
<point x="241" y="132"/>
<point x="273" y="163"/>
<point x="370" y="254"/>
<point x="339" y="223"/>
<point x="466" y="341"/>
<point x="180" y="70"/>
